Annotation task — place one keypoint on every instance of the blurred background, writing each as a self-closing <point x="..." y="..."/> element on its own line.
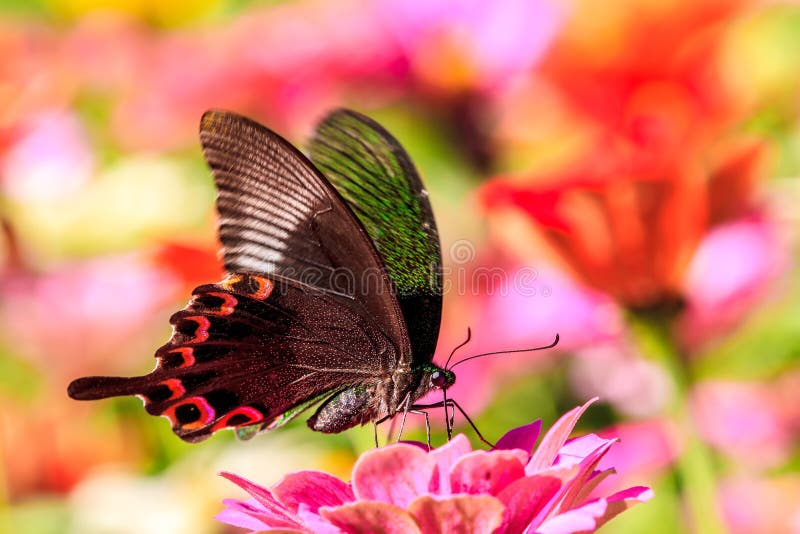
<point x="621" y="173"/>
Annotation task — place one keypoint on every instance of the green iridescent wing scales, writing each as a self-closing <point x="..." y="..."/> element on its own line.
<point x="376" y="177"/>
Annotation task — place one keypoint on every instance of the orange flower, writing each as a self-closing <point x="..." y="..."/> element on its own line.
<point x="629" y="203"/>
<point x="632" y="236"/>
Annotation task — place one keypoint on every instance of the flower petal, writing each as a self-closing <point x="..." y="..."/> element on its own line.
<point x="461" y="514"/>
<point x="523" y="437"/>
<point x="592" y="483"/>
<point x="486" y="472"/>
<point x="572" y="489"/>
<point x="312" y="488"/>
<point x="554" y="439"/>
<point x="393" y="474"/>
<point x="315" y="522"/>
<point x="365" y="517"/>
<point x="576" y="450"/>
<point x="621" y="501"/>
<point x="575" y="520"/>
<point x="273" y="511"/>
<point x="445" y="456"/>
<point x="525" y="498"/>
<point x="244" y="514"/>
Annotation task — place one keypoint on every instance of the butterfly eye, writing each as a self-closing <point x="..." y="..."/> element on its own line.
<point x="438" y="379"/>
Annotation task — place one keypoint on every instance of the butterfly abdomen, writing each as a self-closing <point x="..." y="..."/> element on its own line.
<point x="343" y="410"/>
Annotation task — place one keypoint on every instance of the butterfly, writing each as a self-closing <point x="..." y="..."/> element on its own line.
<point x="333" y="293"/>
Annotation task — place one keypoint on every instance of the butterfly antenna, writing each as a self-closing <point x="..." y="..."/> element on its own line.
<point x="469" y="337"/>
<point x="550" y="346"/>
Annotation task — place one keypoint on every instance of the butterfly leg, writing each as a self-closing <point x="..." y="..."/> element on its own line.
<point x="427" y="425"/>
<point x="475" y="428"/>
<point x="452" y="403"/>
<point x="388" y="432"/>
<point x="380" y="421"/>
<point x="449" y="416"/>
<point x="406" y="407"/>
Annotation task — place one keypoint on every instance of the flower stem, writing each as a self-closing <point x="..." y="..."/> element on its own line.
<point x="694" y="467"/>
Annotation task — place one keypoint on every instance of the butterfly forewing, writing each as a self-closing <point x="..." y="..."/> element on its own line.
<point x="278" y="215"/>
<point x="373" y="172"/>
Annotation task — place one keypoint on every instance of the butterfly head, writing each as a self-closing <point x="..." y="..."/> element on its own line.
<point x="440" y="378"/>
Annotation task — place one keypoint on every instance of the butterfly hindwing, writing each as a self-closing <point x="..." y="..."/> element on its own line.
<point x="376" y="176"/>
<point x="251" y="351"/>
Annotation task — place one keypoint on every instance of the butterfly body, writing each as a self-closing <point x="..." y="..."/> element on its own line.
<point x="333" y="296"/>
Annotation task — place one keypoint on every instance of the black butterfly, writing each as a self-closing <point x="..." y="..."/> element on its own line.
<point x="334" y="295"/>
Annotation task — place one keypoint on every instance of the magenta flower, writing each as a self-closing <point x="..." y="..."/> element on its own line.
<point x="406" y="488"/>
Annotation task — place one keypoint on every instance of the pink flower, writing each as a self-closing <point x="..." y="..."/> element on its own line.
<point x="50" y="158"/>
<point x="451" y="44"/>
<point x="718" y="299"/>
<point x="761" y="504"/>
<point x="80" y="303"/>
<point x="405" y="488"/>
<point x="617" y="372"/>
<point x="745" y="420"/>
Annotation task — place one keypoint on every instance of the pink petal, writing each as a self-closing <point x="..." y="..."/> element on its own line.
<point x="525" y="498"/>
<point x="576" y="450"/>
<point x="312" y="488"/>
<point x="574" y="488"/>
<point x="315" y="522"/>
<point x="523" y="437"/>
<point x="367" y="517"/>
<point x="592" y="483"/>
<point x="554" y="439"/>
<point x="461" y="514"/>
<point x="486" y="472"/>
<point x="276" y="513"/>
<point x="393" y="474"/>
<point x="621" y="501"/>
<point x="564" y="474"/>
<point x="445" y="456"/>
<point x="576" y="520"/>
<point x="242" y="514"/>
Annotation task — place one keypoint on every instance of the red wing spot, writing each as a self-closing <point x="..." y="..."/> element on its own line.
<point x="264" y="287"/>
<point x="187" y="353"/>
<point x="203" y="324"/>
<point x="229" y="303"/>
<point x="230" y="281"/>
<point x="175" y="386"/>
<point x="251" y="414"/>
<point x="190" y="414"/>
